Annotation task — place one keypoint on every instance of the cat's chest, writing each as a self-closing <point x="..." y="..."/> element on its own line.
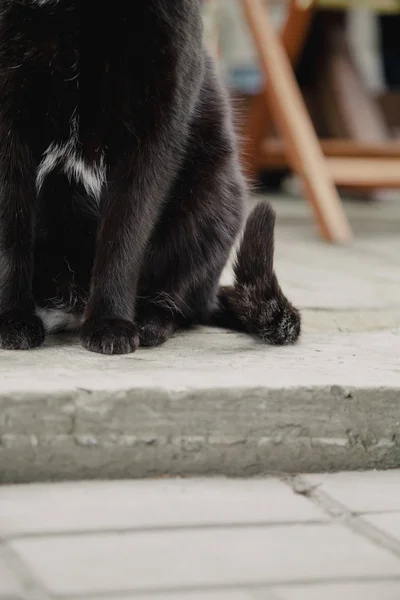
<point x="68" y="155"/>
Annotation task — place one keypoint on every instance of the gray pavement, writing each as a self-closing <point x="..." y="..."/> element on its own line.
<point x="216" y="402"/>
<point x="309" y="537"/>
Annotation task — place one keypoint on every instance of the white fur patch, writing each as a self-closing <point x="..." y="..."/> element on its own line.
<point x="42" y="2"/>
<point x="68" y="156"/>
<point x="58" y="320"/>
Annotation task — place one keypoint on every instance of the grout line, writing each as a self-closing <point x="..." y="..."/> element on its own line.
<point x="161" y="528"/>
<point x="352" y="520"/>
<point x="31" y="588"/>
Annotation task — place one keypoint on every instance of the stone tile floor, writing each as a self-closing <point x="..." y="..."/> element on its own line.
<point x="310" y="537"/>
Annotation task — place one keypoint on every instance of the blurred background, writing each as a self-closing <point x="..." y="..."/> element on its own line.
<point x="344" y="57"/>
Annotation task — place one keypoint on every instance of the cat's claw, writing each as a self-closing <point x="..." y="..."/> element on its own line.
<point x="109" y="336"/>
<point x="20" y="332"/>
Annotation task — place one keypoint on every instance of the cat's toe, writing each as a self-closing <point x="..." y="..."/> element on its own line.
<point x="109" y="336"/>
<point x="20" y="331"/>
<point x="155" y="332"/>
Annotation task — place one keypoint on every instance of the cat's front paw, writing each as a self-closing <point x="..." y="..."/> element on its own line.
<point x="20" y="331"/>
<point x="109" y="336"/>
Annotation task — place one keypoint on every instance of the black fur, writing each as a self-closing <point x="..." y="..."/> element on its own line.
<point x="121" y="97"/>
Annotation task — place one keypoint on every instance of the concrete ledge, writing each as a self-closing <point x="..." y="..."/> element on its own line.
<point x="207" y="402"/>
<point x="215" y="402"/>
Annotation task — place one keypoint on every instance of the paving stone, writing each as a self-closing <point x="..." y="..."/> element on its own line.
<point x="158" y="560"/>
<point x="365" y="274"/>
<point x="162" y="503"/>
<point x="389" y="523"/>
<point x="362" y="492"/>
<point x="347" y="591"/>
<point x="354" y="280"/>
<point x="9" y="585"/>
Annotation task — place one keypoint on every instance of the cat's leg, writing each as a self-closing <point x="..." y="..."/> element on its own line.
<point x="142" y="170"/>
<point x="20" y="328"/>
<point x="131" y="206"/>
<point x="192" y="241"/>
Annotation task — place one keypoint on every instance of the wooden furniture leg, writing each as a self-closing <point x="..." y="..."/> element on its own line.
<point x="284" y="98"/>
<point x="294" y="35"/>
<point x="296" y="29"/>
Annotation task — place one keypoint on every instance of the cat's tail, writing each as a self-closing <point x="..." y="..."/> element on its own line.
<point x="255" y="303"/>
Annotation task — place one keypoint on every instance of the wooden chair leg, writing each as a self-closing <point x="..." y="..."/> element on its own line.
<point x="284" y="98"/>
<point x="294" y="35"/>
<point x="296" y="29"/>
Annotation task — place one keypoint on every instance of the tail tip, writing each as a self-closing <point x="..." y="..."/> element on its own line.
<point x="272" y="319"/>
<point x="283" y="325"/>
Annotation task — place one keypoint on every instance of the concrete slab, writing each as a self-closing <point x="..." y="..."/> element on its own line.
<point x="346" y="591"/>
<point x="10" y="586"/>
<point x="218" y="557"/>
<point x="55" y="509"/>
<point x="219" y="402"/>
<point x="389" y="523"/>
<point x="196" y="539"/>
<point x="206" y="402"/>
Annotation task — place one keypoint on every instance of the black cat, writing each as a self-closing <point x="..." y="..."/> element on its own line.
<point x="120" y="189"/>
